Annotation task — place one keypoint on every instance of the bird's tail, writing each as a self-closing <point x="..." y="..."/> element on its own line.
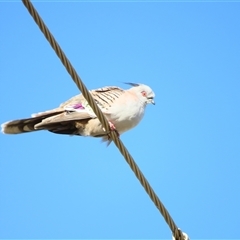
<point x="20" y="126"/>
<point x="27" y="124"/>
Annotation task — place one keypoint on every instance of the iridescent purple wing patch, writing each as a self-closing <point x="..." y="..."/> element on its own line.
<point x="78" y="106"/>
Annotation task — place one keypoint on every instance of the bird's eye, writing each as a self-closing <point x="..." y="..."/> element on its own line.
<point x="144" y="93"/>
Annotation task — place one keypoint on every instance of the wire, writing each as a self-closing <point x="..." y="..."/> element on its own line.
<point x="175" y="231"/>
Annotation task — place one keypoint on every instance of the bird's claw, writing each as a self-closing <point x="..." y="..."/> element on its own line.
<point x="113" y="128"/>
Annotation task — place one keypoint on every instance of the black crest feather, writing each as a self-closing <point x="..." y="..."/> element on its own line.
<point x="132" y="84"/>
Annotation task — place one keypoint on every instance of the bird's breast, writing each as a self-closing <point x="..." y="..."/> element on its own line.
<point x="127" y="117"/>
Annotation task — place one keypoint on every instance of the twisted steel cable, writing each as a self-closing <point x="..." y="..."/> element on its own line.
<point x="175" y="230"/>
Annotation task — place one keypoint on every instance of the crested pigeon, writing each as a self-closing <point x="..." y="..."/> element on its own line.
<point x="123" y="109"/>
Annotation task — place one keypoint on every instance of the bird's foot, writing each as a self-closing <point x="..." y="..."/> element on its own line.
<point x="113" y="128"/>
<point x="107" y="137"/>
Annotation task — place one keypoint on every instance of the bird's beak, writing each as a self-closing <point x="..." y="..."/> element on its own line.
<point x="150" y="100"/>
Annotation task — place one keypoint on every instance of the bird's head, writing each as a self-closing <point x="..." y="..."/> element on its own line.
<point x="144" y="91"/>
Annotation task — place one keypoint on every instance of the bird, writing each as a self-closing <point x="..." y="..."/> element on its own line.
<point x="124" y="109"/>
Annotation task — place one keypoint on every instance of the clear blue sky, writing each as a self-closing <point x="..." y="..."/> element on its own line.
<point x="187" y="146"/>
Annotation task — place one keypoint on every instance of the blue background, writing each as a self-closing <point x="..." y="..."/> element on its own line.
<point x="187" y="146"/>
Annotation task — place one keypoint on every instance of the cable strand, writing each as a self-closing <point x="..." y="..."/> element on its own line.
<point x="70" y="69"/>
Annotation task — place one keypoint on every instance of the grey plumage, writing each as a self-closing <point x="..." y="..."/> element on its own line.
<point x="123" y="108"/>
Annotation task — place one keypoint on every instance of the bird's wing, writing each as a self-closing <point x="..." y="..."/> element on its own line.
<point x="104" y="97"/>
<point x="77" y="108"/>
